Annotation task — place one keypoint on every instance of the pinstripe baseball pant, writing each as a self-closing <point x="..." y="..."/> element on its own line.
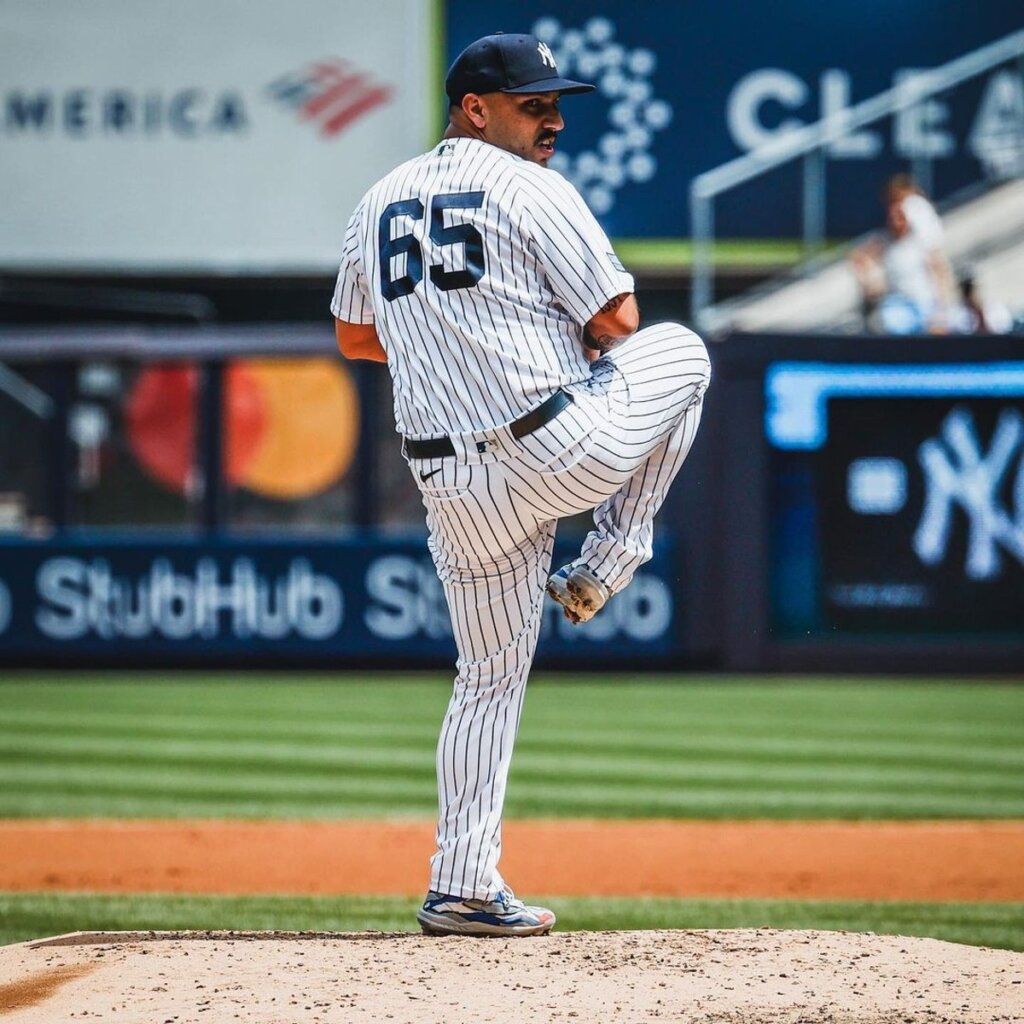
<point x="492" y="519"/>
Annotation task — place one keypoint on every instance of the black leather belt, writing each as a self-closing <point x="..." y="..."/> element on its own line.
<point x="439" y="447"/>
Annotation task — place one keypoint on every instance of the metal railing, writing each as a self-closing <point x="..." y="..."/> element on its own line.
<point x="811" y="142"/>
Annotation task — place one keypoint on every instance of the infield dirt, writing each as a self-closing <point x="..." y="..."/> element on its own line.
<point x="726" y="977"/>
<point x="928" y="861"/>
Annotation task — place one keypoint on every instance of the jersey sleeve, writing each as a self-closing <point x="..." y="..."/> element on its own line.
<point x="571" y="247"/>
<point x="351" y="301"/>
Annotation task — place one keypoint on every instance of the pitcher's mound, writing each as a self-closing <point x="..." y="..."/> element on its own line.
<point x="739" y="976"/>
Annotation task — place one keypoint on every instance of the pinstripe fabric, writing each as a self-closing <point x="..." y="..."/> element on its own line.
<point x="479" y="271"/>
<point x="469" y="358"/>
<point x="492" y="526"/>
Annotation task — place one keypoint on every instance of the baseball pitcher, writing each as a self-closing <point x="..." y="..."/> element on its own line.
<point x="523" y="392"/>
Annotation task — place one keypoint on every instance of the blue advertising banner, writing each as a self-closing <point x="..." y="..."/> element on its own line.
<point x="684" y="87"/>
<point x="357" y="601"/>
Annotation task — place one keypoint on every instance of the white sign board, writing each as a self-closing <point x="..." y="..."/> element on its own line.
<point x="202" y="135"/>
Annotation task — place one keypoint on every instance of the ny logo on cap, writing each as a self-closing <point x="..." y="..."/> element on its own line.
<point x="546" y="56"/>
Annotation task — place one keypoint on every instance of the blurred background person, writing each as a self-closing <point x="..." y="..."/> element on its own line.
<point x="906" y="277"/>
<point x="977" y="315"/>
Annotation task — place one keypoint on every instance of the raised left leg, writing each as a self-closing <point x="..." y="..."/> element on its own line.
<point x="653" y="417"/>
<point x="623" y="533"/>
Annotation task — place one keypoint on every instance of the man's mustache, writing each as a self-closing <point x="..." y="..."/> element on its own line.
<point x="547" y="137"/>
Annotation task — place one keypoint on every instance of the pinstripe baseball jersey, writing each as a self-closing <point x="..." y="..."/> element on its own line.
<point x="478" y="270"/>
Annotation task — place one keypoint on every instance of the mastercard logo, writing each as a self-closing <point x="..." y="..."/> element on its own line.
<point x="291" y="425"/>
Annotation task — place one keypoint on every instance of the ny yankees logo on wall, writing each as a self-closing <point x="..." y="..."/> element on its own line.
<point x="959" y="474"/>
<point x="622" y="153"/>
<point x="921" y="506"/>
<point x="899" y="495"/>
<point x="964" y="482"/>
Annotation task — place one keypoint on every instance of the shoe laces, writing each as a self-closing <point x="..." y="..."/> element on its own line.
<point x="507" y="898"/>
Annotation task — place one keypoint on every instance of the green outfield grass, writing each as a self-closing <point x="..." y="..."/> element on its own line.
<point x="35" y="915"/>
<point x="306" y="746"/>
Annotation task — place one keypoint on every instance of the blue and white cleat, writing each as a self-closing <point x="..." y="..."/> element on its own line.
<point x="578" y="591"/>
<point x="504" y="915"/>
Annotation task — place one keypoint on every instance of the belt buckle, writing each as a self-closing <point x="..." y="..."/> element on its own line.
<point x="485" y="446"/>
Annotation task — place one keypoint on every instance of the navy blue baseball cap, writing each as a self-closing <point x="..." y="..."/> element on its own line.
<point x="506" y="63"/>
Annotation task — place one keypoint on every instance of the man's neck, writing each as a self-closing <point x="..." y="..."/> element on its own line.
<point x="454" y="131"/>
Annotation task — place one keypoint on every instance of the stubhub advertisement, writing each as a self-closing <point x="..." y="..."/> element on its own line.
<point x="684" y="87"/>
<point x="335" y="600"/>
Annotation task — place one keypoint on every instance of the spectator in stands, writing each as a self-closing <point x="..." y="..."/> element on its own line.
<point x="975" y="315"/>
<point x="923" y="217"/>
<point x="906" y="278"/>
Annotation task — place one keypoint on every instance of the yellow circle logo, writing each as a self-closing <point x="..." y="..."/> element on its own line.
<point x="310" y="427"/>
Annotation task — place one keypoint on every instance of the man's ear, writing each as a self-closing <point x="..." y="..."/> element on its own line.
<point x="475" y="109"/>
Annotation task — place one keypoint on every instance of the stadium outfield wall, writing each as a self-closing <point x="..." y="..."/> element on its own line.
<point x="872" y="490"/>
<point x="850" y="503"/>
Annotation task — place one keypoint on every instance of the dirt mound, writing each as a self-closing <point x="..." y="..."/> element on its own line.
<point x="747" y="976"/>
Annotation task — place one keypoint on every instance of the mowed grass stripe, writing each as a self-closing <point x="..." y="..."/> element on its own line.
<point x="200" y="779"/>
<point x="693" y="708"/>
<point x="598" y="719"/>
<point x="33" y="751"/>
<point x="320" y="747"/>
<point x="306" y="806"/>
<point x="601" y="744"/>
<point x="589" y="751"/>
<point x="25" y="916"/>
<point x="35" y="759"/>
<point x="640" y="697"/>
<point x="685" y="731"/>
<point x="114" y="802"/>
<point x="96" y="795"/>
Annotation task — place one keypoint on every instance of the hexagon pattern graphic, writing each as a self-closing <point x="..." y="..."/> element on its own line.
<point x="623" y="78"/>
